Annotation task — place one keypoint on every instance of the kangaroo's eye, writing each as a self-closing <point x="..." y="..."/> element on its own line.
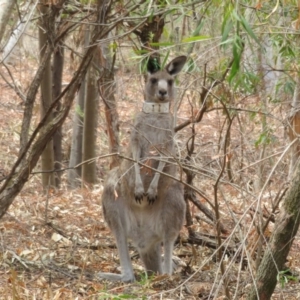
<point x="153" y="80"/>
<point x="170" y="82"/>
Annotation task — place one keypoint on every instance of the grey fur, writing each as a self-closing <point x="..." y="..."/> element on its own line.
<point x="140" y="204"/>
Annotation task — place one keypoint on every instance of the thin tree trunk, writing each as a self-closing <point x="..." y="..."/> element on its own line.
<point x="58" y="62"/>
<point x="90" y="124"/>
<point x="151" y="32"/>
<point x="6" y="7"/>
<point x="294" y="128"/>
<point x="107" y="90"/>
<point x="74" y="175"/>
<point x="17" y="33"/>
<point x="280" y="244"/>
<point x="47" y="158"/>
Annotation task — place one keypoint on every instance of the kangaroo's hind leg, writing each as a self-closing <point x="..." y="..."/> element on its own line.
<point x="116" y="215"/>
<point x="173" y="216"/>
<point x="117" y="225"/>
<point x="151" y="258"/>
<point x="127" y="274"/>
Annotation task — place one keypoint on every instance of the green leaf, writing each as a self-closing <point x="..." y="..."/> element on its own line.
<point x="113" y="46"/>
<point x="237" y="49"/>
<point x="124" y="296"/>
<point x="165" y="60"/>
<point x="191" y="65"/>
<point x="198" y="29"/>
<point x="289" y="87"/>
<point x="235" y="14"/>
<point x="249" y="30"/>
<point x="225" y="32"/>
<point x="195" y="38"/>
<point x="163" y="44"/>
<point x="79" y="111"/>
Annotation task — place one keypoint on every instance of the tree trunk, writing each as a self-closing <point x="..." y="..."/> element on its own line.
<point x="149" y="35"/>
<point x="6" y="7"/>
<point x="47" y="158"/>
<point x="58" y="63"/>
<point x="107" y="90"/>
<point x="281" y="241"/>
<point x="91" y="107"/>
<point x="10" y="47"/>
<point x="74" y="175"/>
<point x="32" y="150"/>
<point x="294" y="128"/>
<point x="90" y="124"/>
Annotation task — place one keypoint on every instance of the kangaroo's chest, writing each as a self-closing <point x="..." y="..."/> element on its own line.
<point x="153" y="131"/>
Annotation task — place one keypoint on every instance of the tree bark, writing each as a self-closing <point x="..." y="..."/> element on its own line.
<point x="294" y="128"/>
<point x="6" y="7"/>
<point x="107" y="92"/>
<point x="58" y="63"/>
<point x="74" y="175"/>
<point x="47" y="158"/>
<point x="149" y="35"/>
<point x="89" y="127"/>
<point x="16" y="35"/>
<point x="281" y="241"/>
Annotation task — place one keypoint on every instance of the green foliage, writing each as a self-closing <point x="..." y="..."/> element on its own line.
<point x="145" y="60"/>
<point x="195" y="38"/>
<point x="113" y="46"/>
<point x="246" y="82"/>
<point x="226" y="29"/>
<point x="119" y="297"/>
<point x="161" y="44"/>
<point x="285" y="45"/>
<point x="237" y="50"/>
<point x="192" y="65"/>
<point x="289" y="87"/>
<point x="283" y="277"/>
<point x="265" y="138"/>
<point x="232" y="36"/>
<point x="145" y="280"/>
<point x="165" y="60"/>
<point x="286" y="85"/>
<point x="248" y="29"/>
<point x="86" y="2"/>
<point x="79" y="111"/>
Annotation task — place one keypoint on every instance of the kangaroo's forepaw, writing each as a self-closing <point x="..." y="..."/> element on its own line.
<point x="151" y="195"/>
<point x="151" y="199"/>
<point x="139" y="194"/>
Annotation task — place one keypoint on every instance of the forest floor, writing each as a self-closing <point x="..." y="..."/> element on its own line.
<point x="53" y="243"/>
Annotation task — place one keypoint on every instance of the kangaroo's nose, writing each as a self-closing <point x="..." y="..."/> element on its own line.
<point x="162" y="93"/>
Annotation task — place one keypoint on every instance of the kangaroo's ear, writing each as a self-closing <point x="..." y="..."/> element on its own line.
<point x="153" y="65"/>
<point x="176" y="65"/>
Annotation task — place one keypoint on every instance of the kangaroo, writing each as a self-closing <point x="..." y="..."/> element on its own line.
<point x="139" y="203"/>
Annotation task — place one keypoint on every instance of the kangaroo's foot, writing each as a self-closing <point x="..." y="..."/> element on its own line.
<point x="117" y="277"/>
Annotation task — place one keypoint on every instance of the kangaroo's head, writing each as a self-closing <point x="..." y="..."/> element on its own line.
<point x="160" y="85"/>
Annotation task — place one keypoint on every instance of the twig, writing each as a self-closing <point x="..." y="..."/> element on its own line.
<point x="46" y="206"/>
<point x="206" y="211"/>
<point x="205" y="91"/>
<point x="217" y="212"/>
